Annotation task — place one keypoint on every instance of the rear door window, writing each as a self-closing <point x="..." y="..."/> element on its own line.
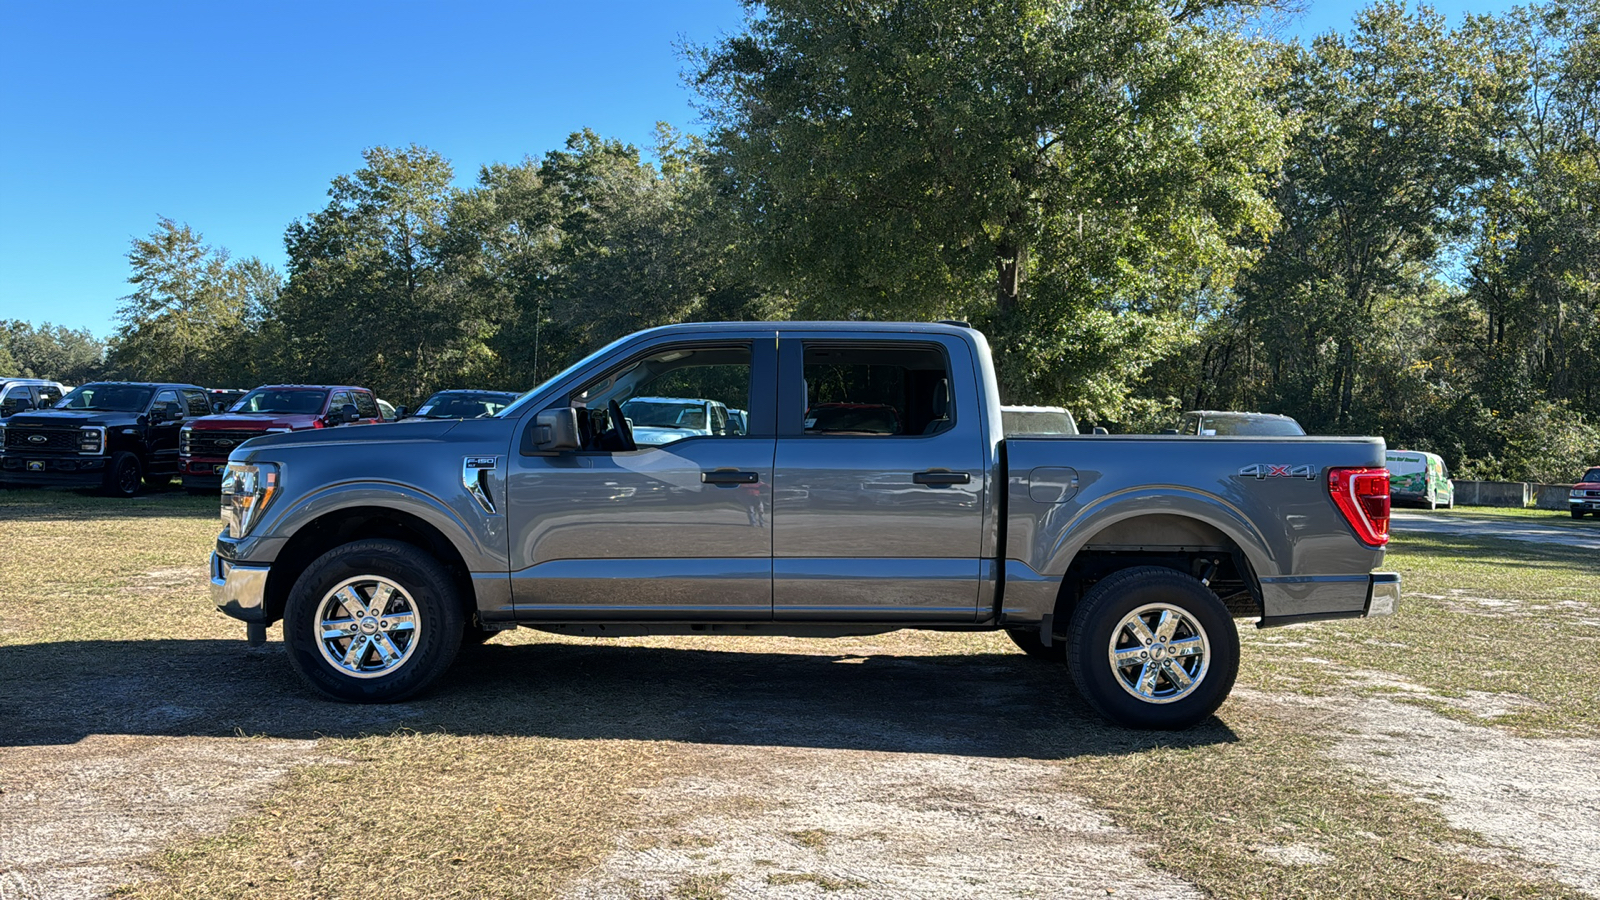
<point x="366" y="405"/>
<point x="876" y="391"/>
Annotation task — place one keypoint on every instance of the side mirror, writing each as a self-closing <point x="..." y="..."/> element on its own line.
<point x="21" y="404"/>
<point x="1100" y="429"/>
<point x="1169" y="431"/>
<point x="556" y="430"/>
<point x="348" y="413"/>
<point x="400" y="412"/>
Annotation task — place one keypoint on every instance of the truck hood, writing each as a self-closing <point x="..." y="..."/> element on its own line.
<point x="395" y="432"/>
<point x="254" y="421"/>
<point x="70" y="418"/>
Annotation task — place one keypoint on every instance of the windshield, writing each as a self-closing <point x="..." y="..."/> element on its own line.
<point x="1257" y="425"/>
<point x="293" y="401"/>
<point x="1592" y="476"/>
<point x="108" y="397"/>
<point x="666" y="414"/>
<point x="463" y="405"/>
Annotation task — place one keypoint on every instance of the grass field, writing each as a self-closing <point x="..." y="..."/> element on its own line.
<point x="516" y="776"/>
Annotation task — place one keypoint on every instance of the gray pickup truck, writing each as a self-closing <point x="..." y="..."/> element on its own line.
<point x="384" y="550"/>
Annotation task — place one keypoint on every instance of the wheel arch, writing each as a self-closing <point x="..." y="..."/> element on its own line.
<point x="1201" y="547"/>
<point x="317" y="535"/>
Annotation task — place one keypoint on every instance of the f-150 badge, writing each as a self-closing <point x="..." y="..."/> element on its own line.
<point x="1260" y="471"/>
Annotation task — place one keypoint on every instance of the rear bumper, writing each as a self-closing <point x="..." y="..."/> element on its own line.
<point x="239" y="590"/>
<point x="1316" y="598"/>
<point x="53" y="471"/>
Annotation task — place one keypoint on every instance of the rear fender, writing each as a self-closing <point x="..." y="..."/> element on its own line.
<point x="1167" y="500"/>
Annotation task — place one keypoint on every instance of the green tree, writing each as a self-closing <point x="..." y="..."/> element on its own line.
<point x="71" y="356"/>
<point x="367" y="300"/>
<point x="927" y="159"/>
<point x="190" y="309"/>
<point x="1372" y="194"/>
<point x="591" y="243"/>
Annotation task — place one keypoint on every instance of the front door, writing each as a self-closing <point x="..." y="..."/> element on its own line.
<point x="162" y="437"/>
<point x="878" y="497"/>
<point x="674" y="525"/>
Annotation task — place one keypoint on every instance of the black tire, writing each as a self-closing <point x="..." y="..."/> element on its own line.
<point x="1577" y="514"/>
<point x="1202" y="624"/>
<point x="1028" y="642"/>
<point x="124" y="475"/>
<point x="421" y="588"/>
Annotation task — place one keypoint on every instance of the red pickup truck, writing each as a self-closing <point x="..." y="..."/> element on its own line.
<point x="205" y="443"/>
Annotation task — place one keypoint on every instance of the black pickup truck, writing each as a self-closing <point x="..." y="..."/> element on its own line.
<point x="112" y="435"/>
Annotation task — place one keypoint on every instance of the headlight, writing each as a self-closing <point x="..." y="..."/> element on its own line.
<point x="247" y="490"/>
<point x="92" y="440"/>
<point x="1575" y="492"/>
<point x="184" y="436"/>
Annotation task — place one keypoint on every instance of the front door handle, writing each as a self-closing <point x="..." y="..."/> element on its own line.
<point x="728" y="477"/>
<point x="941" y="476"/>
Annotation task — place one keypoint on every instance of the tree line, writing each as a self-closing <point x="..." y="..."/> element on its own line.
<point x="1147" y="206"/>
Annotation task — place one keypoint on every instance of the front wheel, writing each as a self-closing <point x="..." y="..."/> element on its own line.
<point x="1577" y="514"/>
<point x="373" y="621"/>
<point x="124" y="476"/>
<point x="1152" y="647"/>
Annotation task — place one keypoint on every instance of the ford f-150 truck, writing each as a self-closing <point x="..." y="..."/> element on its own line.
<point x="383" y="551"/>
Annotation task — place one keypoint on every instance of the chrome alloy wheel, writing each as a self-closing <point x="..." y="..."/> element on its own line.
<point x="367" y="626"/>
<point x="1159" y="653"/>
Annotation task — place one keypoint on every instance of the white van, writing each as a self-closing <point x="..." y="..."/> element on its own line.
<point x="1416" y="476"/>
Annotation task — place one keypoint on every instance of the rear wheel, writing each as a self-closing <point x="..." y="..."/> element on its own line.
<point x="373" y="621"/>
<point x="124" y="475"/>
<point x="1028" y="642"/>
<point x="1153" y="648"/>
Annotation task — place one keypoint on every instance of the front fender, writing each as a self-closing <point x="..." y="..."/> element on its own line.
<point x="478" y="538"/>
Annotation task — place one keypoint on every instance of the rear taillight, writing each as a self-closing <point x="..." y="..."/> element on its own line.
<point x="1363" y="496"/>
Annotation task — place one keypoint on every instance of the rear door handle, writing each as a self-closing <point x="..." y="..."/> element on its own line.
<point x="729" y="477"/>
<point x="941" y="476"/>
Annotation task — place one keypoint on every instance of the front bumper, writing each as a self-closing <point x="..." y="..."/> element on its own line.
<point x="53" y="471"/>
<point x="1585" y="504"/>
<point x="239" y="590"/>
<point x="203" y="473"/>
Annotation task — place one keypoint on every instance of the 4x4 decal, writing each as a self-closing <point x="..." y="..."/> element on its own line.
<point x="1260" y="471"/>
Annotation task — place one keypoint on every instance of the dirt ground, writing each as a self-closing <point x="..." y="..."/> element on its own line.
<point x="807" y="775"/>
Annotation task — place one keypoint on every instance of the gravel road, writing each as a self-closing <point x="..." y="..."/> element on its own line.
<point x="1529" y="530"/>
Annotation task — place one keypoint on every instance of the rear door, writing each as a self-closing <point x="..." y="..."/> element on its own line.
<point x="879" y="479"/>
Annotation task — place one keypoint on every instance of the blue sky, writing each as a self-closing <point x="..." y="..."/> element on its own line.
<point x="233" y="117"/>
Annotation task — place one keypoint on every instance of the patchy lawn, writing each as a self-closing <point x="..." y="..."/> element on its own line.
<point x="143" y="745"/>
